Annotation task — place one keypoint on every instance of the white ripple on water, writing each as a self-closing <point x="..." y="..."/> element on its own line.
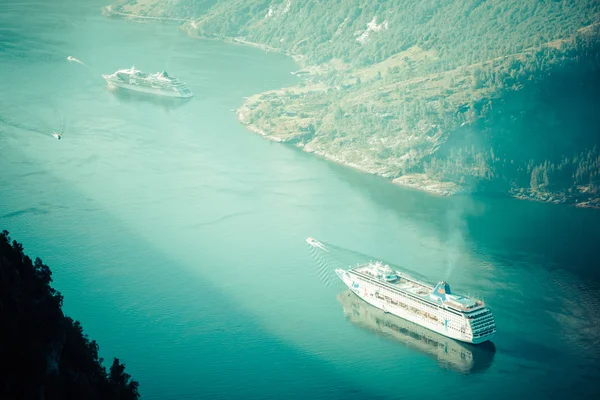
<point x="324" y="270"/>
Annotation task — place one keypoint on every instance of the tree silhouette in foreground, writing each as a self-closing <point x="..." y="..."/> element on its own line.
<point x="45" y="354"/>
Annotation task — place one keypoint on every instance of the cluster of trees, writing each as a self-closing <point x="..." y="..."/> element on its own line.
<point x="45" y="354"/>
<point x="575" y="177"/>
<point x="581" y="172"/>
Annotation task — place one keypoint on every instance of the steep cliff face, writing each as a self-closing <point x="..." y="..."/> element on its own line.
<point x="453" y="93"/>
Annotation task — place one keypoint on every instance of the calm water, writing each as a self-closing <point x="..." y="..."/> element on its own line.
<point x="177" y="237"/>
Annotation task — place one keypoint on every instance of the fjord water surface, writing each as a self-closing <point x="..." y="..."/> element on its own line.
<point x="177" y="236"/>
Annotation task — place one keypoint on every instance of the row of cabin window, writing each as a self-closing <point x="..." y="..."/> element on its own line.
<point x="453" y="322"/>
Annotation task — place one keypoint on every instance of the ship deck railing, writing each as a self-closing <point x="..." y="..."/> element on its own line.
<point x="404" y="278"/>
<point x="421" y="298"/>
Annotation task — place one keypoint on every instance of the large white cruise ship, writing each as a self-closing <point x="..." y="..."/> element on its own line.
<point x="436" y="308"/>
<point x="160" y="83"/>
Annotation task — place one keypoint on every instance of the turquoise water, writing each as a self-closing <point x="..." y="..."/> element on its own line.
<point x="177" y="236"/>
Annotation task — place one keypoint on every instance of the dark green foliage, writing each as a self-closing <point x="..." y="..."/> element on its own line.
<point x="46" y="355"/>
<point x="120" y="381"/>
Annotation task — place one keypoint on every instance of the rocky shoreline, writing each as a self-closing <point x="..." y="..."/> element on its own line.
<point x="108" y="11"/>
<point x="413" y="181"/>
<point x="554" y="199"/>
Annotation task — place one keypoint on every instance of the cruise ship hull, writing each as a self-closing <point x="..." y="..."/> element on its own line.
<point x="401" y="312"/>
<point x="138" y="88"/>
<point x="450" y="354"/>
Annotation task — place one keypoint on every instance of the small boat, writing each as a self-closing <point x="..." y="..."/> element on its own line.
<point x="315" y="243"/>
<point x="56" y="135"/>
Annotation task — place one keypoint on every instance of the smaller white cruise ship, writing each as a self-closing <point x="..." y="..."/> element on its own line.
<point x="159" y="83"/>
<point x="437" y="308"/>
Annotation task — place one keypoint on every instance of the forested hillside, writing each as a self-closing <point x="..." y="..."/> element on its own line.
<point x="442" y="95"/>
<point x="365" y="32"/>
<point x="46" y="355"/>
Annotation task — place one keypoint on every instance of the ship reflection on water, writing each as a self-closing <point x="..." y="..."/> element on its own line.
<point x="450" y="354"/>
<point x="164" y="102"/>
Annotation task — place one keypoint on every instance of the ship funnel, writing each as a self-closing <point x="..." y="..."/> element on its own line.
<point x="440" y="291"/>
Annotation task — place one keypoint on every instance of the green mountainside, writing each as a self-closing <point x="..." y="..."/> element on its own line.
<point x="441" y="95"/>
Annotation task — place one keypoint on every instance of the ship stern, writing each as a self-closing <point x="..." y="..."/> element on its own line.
<point x="483" y="339"/>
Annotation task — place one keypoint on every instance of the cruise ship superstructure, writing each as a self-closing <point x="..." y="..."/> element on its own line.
<point x="159" y="83"/>
<point x="437" y="308"/>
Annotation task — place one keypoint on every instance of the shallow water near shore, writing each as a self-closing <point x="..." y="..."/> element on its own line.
<point x="177" y="236"/>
